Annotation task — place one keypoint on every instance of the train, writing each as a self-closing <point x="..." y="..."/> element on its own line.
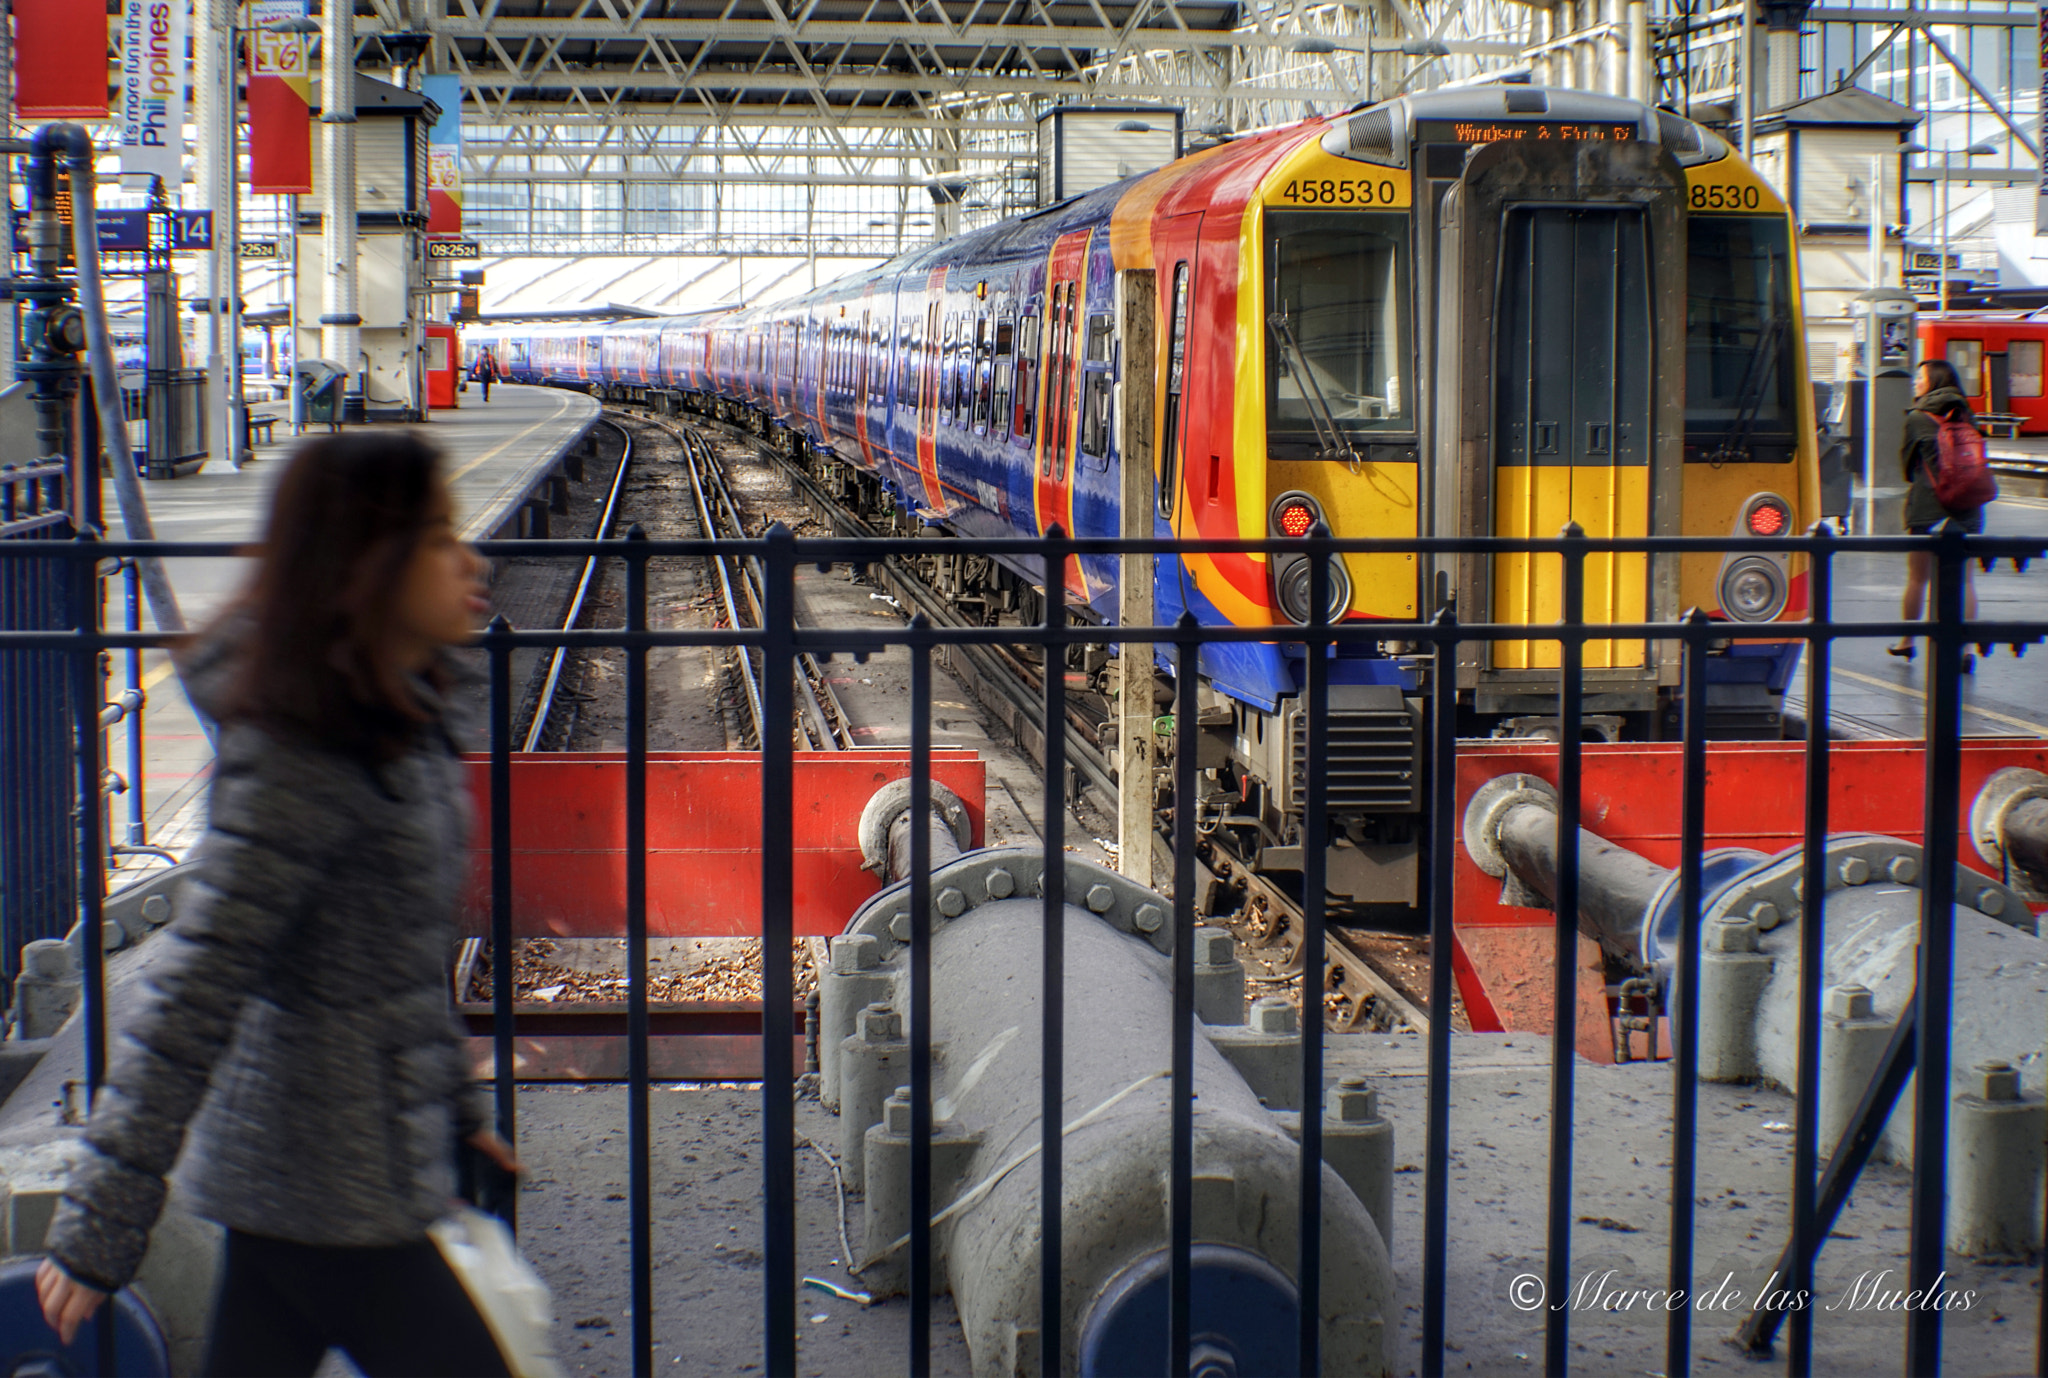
<point x="1488" y="310"/>
<point x="1999" y="356"/>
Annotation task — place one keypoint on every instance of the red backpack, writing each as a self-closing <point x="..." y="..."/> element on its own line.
<point x="1962" y="472"/>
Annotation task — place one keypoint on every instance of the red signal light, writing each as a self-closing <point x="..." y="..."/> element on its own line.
<point x="1768" y="519"/>
<point x="1296" y="518"/>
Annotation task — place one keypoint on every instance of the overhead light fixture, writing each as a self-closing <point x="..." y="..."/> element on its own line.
<point x="1133" y="127"/>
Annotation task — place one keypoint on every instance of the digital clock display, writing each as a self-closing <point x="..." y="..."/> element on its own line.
<point x="1526" y="131"/>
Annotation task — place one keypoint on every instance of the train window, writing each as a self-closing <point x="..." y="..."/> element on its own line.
<point x="1096" y="390"/>
<point x="1176" y="368"/>
<point x="982" y="371"/>
<point x="1740" y="352"/>
<point x="1967" y="358"/>
<point x="1059" y="376"/>
<point x="999" y="407"/>
<point x="1337" y="351"/>
<point x="2023" y="365"/>
<point x="1027" y="378"/>
<point x="949" y="388"/>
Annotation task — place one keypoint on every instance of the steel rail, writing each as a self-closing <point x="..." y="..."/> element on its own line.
<point x="545" y="706"/>
<point x="821" y="715"/>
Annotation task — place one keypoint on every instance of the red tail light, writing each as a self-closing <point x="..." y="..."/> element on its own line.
<point x="1295" y="519"/>
<point x="1768" y="519"/>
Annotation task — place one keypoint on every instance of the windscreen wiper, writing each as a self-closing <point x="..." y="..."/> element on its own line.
<point x="1331" y="443"/>
<point x="1756" y="378"/>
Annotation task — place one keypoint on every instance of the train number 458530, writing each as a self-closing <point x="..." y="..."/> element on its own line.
<point x="1336" y="191"/>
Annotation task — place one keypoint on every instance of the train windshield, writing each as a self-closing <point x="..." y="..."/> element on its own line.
<point x="1740" y="353"/>
<point x="1337" y="346"/>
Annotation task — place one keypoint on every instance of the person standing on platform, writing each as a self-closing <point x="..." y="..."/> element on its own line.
<point x="1937" y="396"/>
<point x="299" y="1018"/>
<point x="485" y="370"/>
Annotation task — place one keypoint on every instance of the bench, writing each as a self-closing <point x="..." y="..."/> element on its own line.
<point x="2001" y="425"/>
<point x="260" y="426"/>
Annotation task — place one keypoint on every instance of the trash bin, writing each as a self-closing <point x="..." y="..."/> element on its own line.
<point x="321" y="382"/>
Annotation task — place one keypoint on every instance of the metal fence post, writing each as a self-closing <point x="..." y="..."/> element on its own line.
<point x="640" y="1189"/>
<point x="1685" y="1018"/>
<point x="1812" y="951"/>
<point x="1052" y="993"/>
<point x="920" y="965"/>
<point x="1443" y="826"/>
<point x="504" y="1080"/>
<point x="778" y="1113"/>
<point x="1187" y="738"/>
<point x="1934" y="996"/>
<point x="1314" y="868"/>
<point x="1565" y="985"/>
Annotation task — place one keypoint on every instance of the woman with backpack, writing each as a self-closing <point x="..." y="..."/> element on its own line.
<point x="1937" y="400"/>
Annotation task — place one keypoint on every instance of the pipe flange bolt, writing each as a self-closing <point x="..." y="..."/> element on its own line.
<point x="1490" y="804"/>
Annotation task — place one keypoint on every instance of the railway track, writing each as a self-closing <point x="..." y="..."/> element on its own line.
<point x="1358" y="991"/>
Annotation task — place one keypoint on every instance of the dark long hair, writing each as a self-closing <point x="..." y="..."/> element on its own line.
<point x="1942" y="374"/>
<point x="345" y="522"/>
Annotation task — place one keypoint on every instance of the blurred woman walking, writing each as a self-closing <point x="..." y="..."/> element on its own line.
<point x="300" y="1020"/>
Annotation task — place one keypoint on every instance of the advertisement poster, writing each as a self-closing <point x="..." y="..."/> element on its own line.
<point x="154" y="71"/>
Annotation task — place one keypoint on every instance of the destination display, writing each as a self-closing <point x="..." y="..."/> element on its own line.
<point x="1532" y="131"/>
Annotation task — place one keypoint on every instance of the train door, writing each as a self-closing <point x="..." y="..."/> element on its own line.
<point x="1054" y="489"/>
<point x="1572" y="402"/>
<point x="441" y="368"/>
<point x="927" y="401"/>
<point x="862" y="389"/>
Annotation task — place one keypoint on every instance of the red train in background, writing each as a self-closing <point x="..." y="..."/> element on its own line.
<point x="1999" y="355"/>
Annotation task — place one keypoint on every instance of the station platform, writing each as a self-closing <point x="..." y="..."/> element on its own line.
<point x="1883" y="696"/>
<point x="497" y="455"/>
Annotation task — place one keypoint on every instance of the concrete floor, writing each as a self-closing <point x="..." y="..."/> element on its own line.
<point x="1500" y="1131"/>
<point x="708" y="1282"/>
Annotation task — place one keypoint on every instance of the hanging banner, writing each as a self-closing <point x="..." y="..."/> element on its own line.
<point x="60" y="60"/>
<point x="444" y="155"/>
<point x="153" y="76"/>
<point x="280" y="102"/>
<point x="2041" y="187"/>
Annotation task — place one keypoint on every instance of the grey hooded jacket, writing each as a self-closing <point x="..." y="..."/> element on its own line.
<point x="301" y="1021"/>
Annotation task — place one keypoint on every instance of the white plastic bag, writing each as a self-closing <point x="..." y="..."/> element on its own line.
<point x="511" y="1297"/>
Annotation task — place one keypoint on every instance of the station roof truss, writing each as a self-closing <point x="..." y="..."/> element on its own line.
<point x="816" y="128"/>
<point x="824" y="122"/>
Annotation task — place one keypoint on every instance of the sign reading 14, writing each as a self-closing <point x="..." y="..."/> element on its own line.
<point x="1338" y="191"/>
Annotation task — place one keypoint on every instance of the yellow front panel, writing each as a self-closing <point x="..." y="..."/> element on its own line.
<point x="1612" y="503"/>
<point x="1535" y="502"/>
<point x="1371" y="502"/>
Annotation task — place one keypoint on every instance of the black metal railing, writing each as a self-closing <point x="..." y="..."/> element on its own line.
<point x="1922" y="1040"/>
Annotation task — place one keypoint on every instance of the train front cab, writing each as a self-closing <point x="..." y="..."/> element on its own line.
<point x="1497" y="312"/>
<point x="1608" y="298"/>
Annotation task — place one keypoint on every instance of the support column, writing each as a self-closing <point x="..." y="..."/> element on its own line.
<point x="215" y="153"/>
<point x="340" y="334"/>
<point x="1640" y="82"/>
<point x="1136" y="303"/>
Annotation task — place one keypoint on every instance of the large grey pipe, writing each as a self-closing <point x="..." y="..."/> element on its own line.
<point x="106" y="387"/>
<point x="2009" y="824"/>
<point x="1511" y="831"/>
